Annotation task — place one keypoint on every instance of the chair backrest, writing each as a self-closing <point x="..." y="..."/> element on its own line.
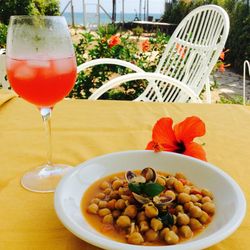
<point x="192" y="52"/>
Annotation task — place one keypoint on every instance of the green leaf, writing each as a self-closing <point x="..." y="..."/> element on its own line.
<point x="135" y="187"/>
<point x="152" y="189"/>
<point x="167" y="219"/>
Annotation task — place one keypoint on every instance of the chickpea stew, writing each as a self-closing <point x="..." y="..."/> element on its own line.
<point x="148" y="207"/>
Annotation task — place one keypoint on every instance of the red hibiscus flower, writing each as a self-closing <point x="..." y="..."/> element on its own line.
<point x="145" y="46"/>
<point x="114" y="40"/>
<point x="179" y="138"/>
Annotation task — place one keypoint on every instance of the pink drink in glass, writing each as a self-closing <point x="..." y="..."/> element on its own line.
<point x="40" y="81"/>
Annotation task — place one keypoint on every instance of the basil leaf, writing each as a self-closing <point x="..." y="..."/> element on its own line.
<point x="167" y="219"/>
<point x="135" y="187"/>
<point x="152" y="189"/>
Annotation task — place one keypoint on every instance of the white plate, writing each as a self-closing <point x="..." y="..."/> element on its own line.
<point x="229" y="199"/>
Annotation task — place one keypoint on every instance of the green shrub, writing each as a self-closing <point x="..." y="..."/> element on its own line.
<point x="3" y="35"/>
<point x="97" y="46"/>
<point x="28" y="7"/>
<point x="13" y="7"/>
<point x="239" y="38"/>
<point x="137" y="31"/>
<point x="237" y="99"/>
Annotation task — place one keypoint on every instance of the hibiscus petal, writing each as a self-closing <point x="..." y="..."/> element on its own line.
<point x="163" y="133"/>
<point x="188" y="129"/>
<point x="195" y="150"/>
<point x="154" y="146"/>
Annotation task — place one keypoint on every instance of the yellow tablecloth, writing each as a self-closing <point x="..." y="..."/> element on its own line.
<point x="85" y="129"/>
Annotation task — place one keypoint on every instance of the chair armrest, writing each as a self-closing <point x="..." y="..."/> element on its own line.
<point x="151" y="77"/>
<point x="108" y="61"/>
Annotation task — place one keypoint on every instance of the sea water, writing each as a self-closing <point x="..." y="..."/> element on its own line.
<point x="92" y="18"/>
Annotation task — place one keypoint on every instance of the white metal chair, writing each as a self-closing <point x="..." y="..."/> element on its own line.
<point x="246" y="66"/>
<point x="3" y="81"/>
<point x="186" y="63"/>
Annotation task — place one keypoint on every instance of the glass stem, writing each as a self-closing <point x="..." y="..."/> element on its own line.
<point x="46" y="116"/>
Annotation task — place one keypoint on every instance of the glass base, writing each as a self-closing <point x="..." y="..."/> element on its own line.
<point x="44" y="179"/>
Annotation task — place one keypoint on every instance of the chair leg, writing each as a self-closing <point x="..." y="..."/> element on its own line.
<point x="208" y="92"/>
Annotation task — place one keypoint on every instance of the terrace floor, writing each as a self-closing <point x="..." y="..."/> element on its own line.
<point x="230" y="86"/>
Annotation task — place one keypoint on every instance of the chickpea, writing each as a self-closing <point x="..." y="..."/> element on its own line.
<point x="174" y="218"/>
<point x="182" y="219"/>
<point x="204" y="217"/>
<point x="194" y="198"/>
<point x="185" y="231"/>
<point x="151" y="235"/>
<point x="161" y="180"/>
<point x="206" y="192"/>
<point x="120" y="204"/>
<point x="123" y="221"/>
<point x="195" y="212"/>
<point x="131" y="211"/>
<point x="108" y="219"/>
<point x="178" y="186"/>
<point x="151" y="211"/>
<point x="171" y="194"/>
<point x="104" y="185"/>
<point x="116" y="184"/>
<point x="198" y="204"/>
<point x="186" y="189"/>
<point x="174" y="228"/>
<point x="195" y="224"/>
<point x="123" y="191"/>
<point x="156" y="224"/>
<point x="107" y="191"/>
<point x="126" y="191"/>
<point x="188" y="205"/>
<point x="135" y="238"/>
<point x="206" y="199"/>
<point x="183" y="198"/>
<point x="180" y="176"/>
<point x="102" y="204"/>
<point x="100" y="196"/>
<point x="95" y="200"/>
<point x="170" y="182"/>
<point x="171" y="238"/>
<point x="143" y="225"/>
<point x="163" y="232"/>
<point x="179" y="209"/>
<point x="93" y="208"/>
<point x="141" y="216"/>
<point x="125" y="197"/>
<point x="208" y="207"/>
<point x="199" y="196"/>
<point x="114" y="195"/>
<point x="111" y="204"/>
<point x="114" y="179"/>
<point x="104" y="211"/>
<point x="116" y="213"/>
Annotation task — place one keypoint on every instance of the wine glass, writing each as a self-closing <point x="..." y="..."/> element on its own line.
<point x="41" y="68"/>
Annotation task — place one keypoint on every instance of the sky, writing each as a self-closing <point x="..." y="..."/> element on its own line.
<point x="155" y="6"/>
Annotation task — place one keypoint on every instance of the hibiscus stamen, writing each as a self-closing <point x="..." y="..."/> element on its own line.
<point x="181" y="147"/>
